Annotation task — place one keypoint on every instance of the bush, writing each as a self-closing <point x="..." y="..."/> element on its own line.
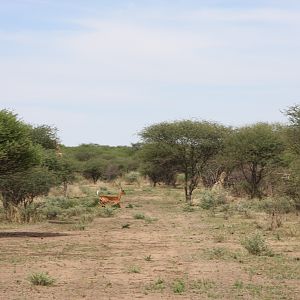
<point x="211" y="199"/>
<point x="256" y="245"/>
<point x="276" y="208"/>
<point x="282" y="205"/>
<point x="132" y="177"/>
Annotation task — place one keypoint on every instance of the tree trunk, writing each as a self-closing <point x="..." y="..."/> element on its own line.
<point x="65" y="189"/>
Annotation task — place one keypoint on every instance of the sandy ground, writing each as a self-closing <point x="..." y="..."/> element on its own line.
<point x="106" y="261"/>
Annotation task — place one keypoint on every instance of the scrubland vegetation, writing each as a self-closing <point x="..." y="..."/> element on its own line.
<point x="210" y="212"/>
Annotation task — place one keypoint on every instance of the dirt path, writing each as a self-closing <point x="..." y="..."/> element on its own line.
<point x="151" y="259"/>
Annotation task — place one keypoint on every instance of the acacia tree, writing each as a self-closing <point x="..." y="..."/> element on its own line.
<point x="45" y="136"/>
<point x="17" y="151"/>
<point x="255" y="150"/>
<point x="189" y="143"/>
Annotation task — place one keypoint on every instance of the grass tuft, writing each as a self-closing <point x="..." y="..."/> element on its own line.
<point x="41" y="278"/>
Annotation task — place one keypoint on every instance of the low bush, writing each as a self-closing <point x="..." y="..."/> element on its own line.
<point x="211" y="199"/>
<point x="256" y="245"/>
<point x="132" y="177"/>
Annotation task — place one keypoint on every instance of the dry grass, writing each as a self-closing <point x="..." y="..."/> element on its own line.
<point x="186" y="254"/>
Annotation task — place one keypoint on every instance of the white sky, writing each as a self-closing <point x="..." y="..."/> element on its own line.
<point x="100" y="71"/>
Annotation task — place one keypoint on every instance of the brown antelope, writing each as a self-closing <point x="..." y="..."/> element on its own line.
<point x="114" y="200"/>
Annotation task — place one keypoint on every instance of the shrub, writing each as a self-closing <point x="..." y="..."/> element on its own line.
<point x="132" y="177"/>
<point x="41" y="278"/>
<point x="212" y="199"/>
<point x="276" y="208"/>
<point x="256" y="245"/>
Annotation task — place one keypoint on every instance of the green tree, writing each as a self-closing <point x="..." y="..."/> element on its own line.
<point x="158" y="164"/>
<point x="94" y="169"/>
<point x="255" y="150"/>
<point x="190" y="143"/>
<point x="45" y="136"/>
<point x="63" y="168"/>
<point x="17" y="152"/>
<point x="291" y="186"/>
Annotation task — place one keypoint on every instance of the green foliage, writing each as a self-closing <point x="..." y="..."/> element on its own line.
<point x="93" y="169"/>
<point x="158" y="164"/>
<point x="41" y="278"/>
<point x="217" y="253"/>
<point x="188" y="208"/>
<point x="186" y="145"/>
<point x="211" y="199"/>
<point x="21" y="188"/>
<point x="45" y="136"/>
<point x="255" y="150"/>
<point x="132" y="177"/>
<point x="178" y="286"/>
<point x="17" y="152"/>
<point x="106" y="212"/>
<point x="293" y="132"/>
<point x="280" y="205"/>
<point x="139" y="216"/>
<point x="158" y="285"/>
<point x="256" y="245"/>
<point x="102" y="162"/>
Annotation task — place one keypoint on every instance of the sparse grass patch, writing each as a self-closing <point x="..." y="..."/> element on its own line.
<point x="150" y="219"/>
<point x="202" y="286"/>
<point x="217" y="253"/>
<point x="158" y="285"/>
<point x="278" y="267"/>
<point x="129" y="206"/>
<point x="78" y="226"/>
<point x="219" y="238"/>
<point x="188" y="208"/>
<point x="134" y="269"/>
<point x="178" y="286"/>
<point x="106" y="212"/>
<point x="148" y="258"/>
<point x="41" y="278"/>
<point x="125" y="226"/>
<point x="139" y="216"/>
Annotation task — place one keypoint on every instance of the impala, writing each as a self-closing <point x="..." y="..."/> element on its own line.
<point x="107" y="199"/>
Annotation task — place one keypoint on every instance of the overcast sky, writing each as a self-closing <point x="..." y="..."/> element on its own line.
<point x="100" y="71"/>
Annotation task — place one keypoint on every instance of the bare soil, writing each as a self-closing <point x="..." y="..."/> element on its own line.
<point x="171" y="254"/>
